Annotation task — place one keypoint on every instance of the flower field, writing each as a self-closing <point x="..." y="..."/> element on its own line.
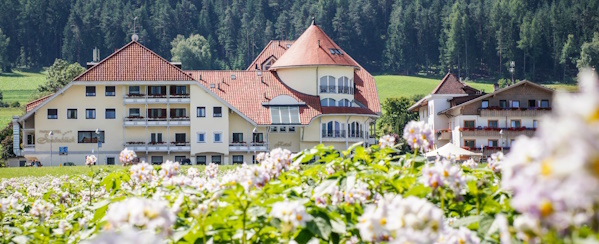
<point x="544" y="191"/>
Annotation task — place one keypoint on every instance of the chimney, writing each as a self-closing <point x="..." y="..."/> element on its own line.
<point x="95" y="58"/>
<point x="495" y="87"/>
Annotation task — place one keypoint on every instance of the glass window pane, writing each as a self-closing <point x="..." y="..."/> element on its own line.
<point x="285" y="115"/>
<point x="275" y="115"/>
<point x="294" y="114"/>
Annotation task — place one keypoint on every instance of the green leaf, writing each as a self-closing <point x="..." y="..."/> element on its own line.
<point x="466" y="221"/>
<point x="320" y="226"/>
<point x="303" y="237"/>
<point x="325" y="186"/>
<point x="338" y="226"/>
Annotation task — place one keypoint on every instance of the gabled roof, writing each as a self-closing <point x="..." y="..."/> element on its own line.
<point x="521" y="83"/>
<point x="274" y="48"/>
<point x="248" y="91"/>
<point x="31" y="105"/>
<point x="134" y="62"/>
<point x="451" y="85"/>
<point x="313" y="47"/>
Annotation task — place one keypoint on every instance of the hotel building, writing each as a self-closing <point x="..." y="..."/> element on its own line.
<point x="294" y="95"/>
<point x="483" y="122"/>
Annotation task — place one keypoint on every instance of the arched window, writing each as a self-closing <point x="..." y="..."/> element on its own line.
<point x="327" y="84"/>
<point x="351" y="86"/>
<point x="333" y="129"/>
<point x="355" y="129"/>
<point x="328" y="102"/>
<point x="344" y="103"/>
<point x="343" y="85"/>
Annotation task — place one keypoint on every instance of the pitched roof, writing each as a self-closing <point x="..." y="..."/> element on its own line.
<point x="521" y="83"/>
<point x="134" y="62"/>
<point x="248" y="91"/>
<point x="451" y="85"/>
<point x="274" y="48"/>
<point x="313" y="47"/>
<point x="31" y="105"/>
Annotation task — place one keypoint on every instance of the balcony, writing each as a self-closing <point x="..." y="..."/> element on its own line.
<point x="141" y="121"/>
<point x="488" y="151"/>
<point x="155" y="99"/>
<point x="339" y="135"/>
<point x="444" y="135"/>
<point x="513" y="112"/>
<point x="158" y="146"/>
<point x="494" y="132"/>
<point x="248" y="147"/>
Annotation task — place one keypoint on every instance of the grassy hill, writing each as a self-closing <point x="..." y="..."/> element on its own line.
<point x="17" y="86"/>
<point x="408" y="86"/>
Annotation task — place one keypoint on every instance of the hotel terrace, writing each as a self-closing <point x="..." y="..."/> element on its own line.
<point x="294" y="95"/>
<point x="481" y="122"/>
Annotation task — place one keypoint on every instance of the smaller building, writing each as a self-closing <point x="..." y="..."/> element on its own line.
<point x="483" y="122"/>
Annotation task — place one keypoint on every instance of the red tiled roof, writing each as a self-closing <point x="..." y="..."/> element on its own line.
<point x="451" y="85"/>
<point x="31" y="105"/>
<point x="366" y="92"/>
<point x="274" y="48"/>
<point x="248" y="91"/>
<point x="313" y="48"/>
<point x="134" y="62"/>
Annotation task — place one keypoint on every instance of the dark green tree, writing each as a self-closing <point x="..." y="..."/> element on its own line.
<point x="589" y="53"/>
<point x="396" y="115"/>
<point x="59" y="75"/>
<point x="193" y="52"/>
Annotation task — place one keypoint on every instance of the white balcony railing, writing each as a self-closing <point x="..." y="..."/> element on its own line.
<point x="158" y="147"/>
<point x="154" y="99"/>
<point x="139" y="121"/>
<point x="251" y="147"/>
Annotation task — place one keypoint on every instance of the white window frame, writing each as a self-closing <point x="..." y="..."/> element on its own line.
<point x="220" y="133"/>
<point x="198" y="136"/>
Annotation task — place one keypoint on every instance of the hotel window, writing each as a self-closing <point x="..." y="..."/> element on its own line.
<point x="90" y="137"/>
<point x="344" y="103"/>
<point x="201" y="112"/>
<point x="90" y="113"/>
<point x="110" y="91"/>
<point x="503" y="103"/>
<point x="468" y="123"/>
<point x="470" y="143"/>
<point x="237" y="159"/>
<point x="180" y="138"/>
<point x="218" y="137"/>
<point x="254" y="159"/>
<point x="493" y="124"/>
<point x="544" y="103"/>
<point x="535" y="123"/>
<point x="217" y="112"/>
<point x="201" y="160"/>
<point x="134" y="112"/>
<point x="52" y="113"/>
<point x="179" y="159"/>
<point x="327" y="84"/>
<point x="201" y="137"/>
<point x="493" y="143"/>
<point x="178" y="113"/>
<point x="110" y="113"/>
<point x="110" y="161"/>
<point x="333" y="129"/>
<point x="134" y="90"/>
<point x="157" y="113"/>
<point x="515" y="104"/>
<point x="284" y="115"/>
<point x="30" y="139"/>
<point x="355" y="130"/>
<point x="156" y="138"/>
<point x="179" y="90"/>
<point x="485" y="104"/>
<point x="343" y="85"/>
<point x="217" y="159"/>
<point x="90" y="91"/>
<point x="273" y="129"/>
<point x="156" y="159"/>
<point x="72" y="113"/>
<point x="328" y="102"/>
<point x="532" y="103"/>
<point x="283" y="129"/>
<point x="516" y="124"/>
<point x="258" y="138"/>
<point x="291" y="128"/>
<point x="237" y="137"/>
<point x="157" y="90"/>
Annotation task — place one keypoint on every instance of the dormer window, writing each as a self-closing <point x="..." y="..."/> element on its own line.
<point x="269" y="62"/>
<point x="284" y="115"/>
<point x="335" y="51"/>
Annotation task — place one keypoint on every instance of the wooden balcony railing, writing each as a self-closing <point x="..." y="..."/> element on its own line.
<point x="513" y="112"/>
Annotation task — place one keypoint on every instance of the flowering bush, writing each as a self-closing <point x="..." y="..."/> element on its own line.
<point x="544" y="190"/>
